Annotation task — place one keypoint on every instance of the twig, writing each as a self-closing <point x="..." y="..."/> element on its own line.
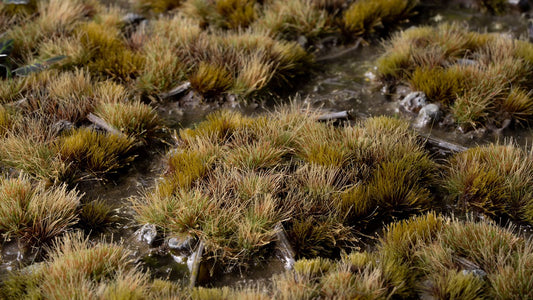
<point x="341" y="115"/>
<point x="196" y="264"/>
<point x="339" y="54"/>
<point x="103" y="124"/>
<point x="180" y="89"/>
<point x="285" y="247"/>
<point x="442" y="144"/>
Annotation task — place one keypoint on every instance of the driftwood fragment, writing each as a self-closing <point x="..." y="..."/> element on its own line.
<point x="339" y="54"/>
<point x="285" y="248"/>
<point x="341" y="115"/>
<point x="180" y="89"/>
<point x="195" y="267"/>
<point x="442" y="144"/>
<point x="103" y="124"/>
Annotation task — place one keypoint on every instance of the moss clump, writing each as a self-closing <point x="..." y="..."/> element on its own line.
<point x="35" y="214"/>
<point x="479" y="78"/>
<point x="494" y="180"/>
<point x="233" y="178"/>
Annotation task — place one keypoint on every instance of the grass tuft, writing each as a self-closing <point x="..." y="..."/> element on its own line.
<point x="494" y="180"/>
<point x="232" y="178"/>
<point x="35" y="214"/>
<point x="480" y="78"/>
<point x="134" y="119"/>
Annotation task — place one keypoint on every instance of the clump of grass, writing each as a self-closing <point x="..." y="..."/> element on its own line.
<point x="162" y="69"/>
<point x="61" y="17"/>
<point x="202" y="293"/>
<point x="29" y="147"/>
<point x="233" y="178"/>
<point x="211" y="80"/>
<point x="77" y="269"/>
<point x="157" y="6"/>
<point x="11" y="15"/>
<point x="94" y="152"/>
<point x="425" y="256"/>
<point x="10" y="89"/>
<point x="106" y="53"/>
<point x="66" y="96"/>
<point x="134" y="119"/>
<point x="43" y="141"/>
<point x="35" y="214"/>
<point x="363" y="16"/>
<point x="6" y="119"/>
<point x="494" y="180"/>
<point x="51" y="20"/>
<point x="241" y="63"/>
<point x="96" y="215"/>
<point x="293" y="19"/>
<point x="225" y="14"/>
<point x="479" y="78"/>
<point x="439" y="85"/>
<point x="518" y="105"/>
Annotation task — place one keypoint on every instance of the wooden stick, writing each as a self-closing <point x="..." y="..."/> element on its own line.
<point x="103" y="124"/>
<point x="442" y="144"/>
<point x="182" y="88"/>
<point x="339" y="54"/>
<point x="197" y="259"/>
<point x="341" y="115"/>
<point x="285" y="247"/>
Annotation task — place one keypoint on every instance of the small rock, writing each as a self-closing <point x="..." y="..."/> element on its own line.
<point x="385" y="90"/>
<point x="32" y="269"/>
<point x="181" y="243"/>
<point x="427" y="115"/>
<point x="474" y="134"/>
<point x="400" y="92"/>
<point x="447" y="121"/>
<point x="302" y="41"/>
<point x="414" y="101"/>
<point x="476" y="272"/>
<point x="132" y="18"/>
<point x="147" y="233"/>
<point x="61" y="126"/>
<point x="370" y="76"/>
<point x="466" y="62"/>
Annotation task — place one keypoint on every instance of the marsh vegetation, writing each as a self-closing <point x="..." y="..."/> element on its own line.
<point x="103" y="197"/>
